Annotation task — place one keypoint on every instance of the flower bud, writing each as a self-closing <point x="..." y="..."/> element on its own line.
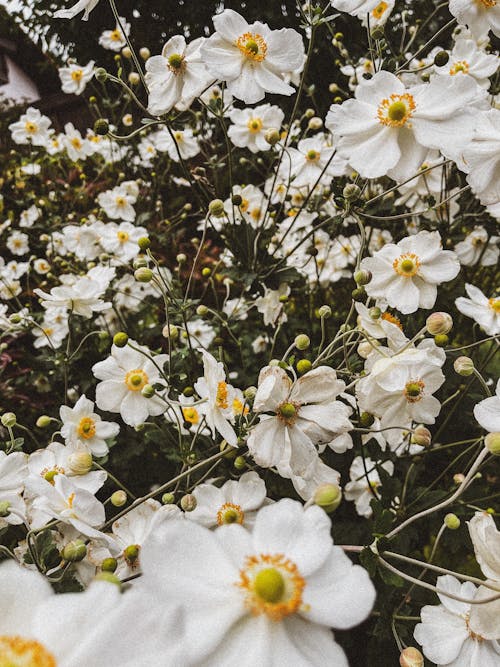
<point x="366" y="420"/>
<point x="328" y="496"/>
<point x="201" y="310"/>
<point x="126" y="52"/>
<point x="118" y="498"/>
<point x="143" y="275"/>
<point x="4" y="509"/>
<point x="120" y="339"/>
<point x="134" y="78"/>
<point x="452" y="521"/>
<point x="148" y="391"/>
<point x="181" y="258"/>
<point x="441" y="340"/>
<point x="239" y="463"/>
<point x="358" y="294"/>
<point x="411" y="657"/>
<point x="80" y="462"/>
<point x="303" y="366"/>
<point x="131" y="553"/>
<point x="167" y="498"/>
<point x="492" y="443"/>
<point x="100" y="74"/>
<point x="351" y="191"/>
<point x="365" y="349"/>
<point x="302" y="342"/>
<point x="109" y="565"/>
<point x="441" y="58"/>
<point x="139" y="262"/>
<point x="9" y="420"/>
<point x="439" y="323"/>
<point x="362" y="277"/>
<point x="15" y="318"/>
<point x="458" y="478"/>
<point x="464" y="366"/>
<point x="101" y="127"/>
<point x="144" y="243"/>
<point x="421" y="436"/>
<point x="216" y="208"/>
<point x="43" y="421"/>
<point x="375" y="313"/>
<point x="170" y="331"/>
<point x="188" y="502"/>
<point x="237" y="200"/>
<point x="74" y="551"/>
<point x="325" y="312"/>
<point x="315" y="123"/>
<point x="272" y="136"/>
<point x="206" y="272"/>
<point x="250" y="392"/>
<point x="144" y="52"/>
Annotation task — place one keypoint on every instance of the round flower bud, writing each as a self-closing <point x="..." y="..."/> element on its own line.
<point x="206" y="272"/>
<point x="144" y="243"/>
<point x="362" y="277"/>
<point x="328" y="496"/>
<point x="452" y="521"/>
<point x="139" y="262"/>
<point x="201" y="310"/>
<point x="441" y="58"/>
<point x="351" y="191"/>
<point x="237" y="200"/>
<point x="492" y="443"/>
<point x="4" y="509"/>
<point x="167" y="498"/>
<point x="100" y="74"/>
<point x="216" y="208"/>
<point x="324" y="312"/>
<point x="144" y="52"/>
<point x="458" y="478"/>
<point x="188" y="391"/>
<point x="250" y="392"/>
<point x="143" y="275"/>
<point x="9" y="420"/>
<point x="377" y="32"/>
<point x="134" y="78"/>
<point x="441" y="340"/>
<point x="109" y="577"/>
<point x="375" y="313"/>
<point x="411" y="657"/>
<point x="315" y="123"/>
<point x="80" y="462"/>
<point x="239" y="463"/>
<point x="188" y="502"/>
<point x="170" y="331"/>
<point x="181" y="258"/>
<point x="302" y="342"/>
<point x="148" y="391"/>
<point x="272" y="136"/>
<point x="464" y="366"/>
<point x="439" y="323"/>
<point x="366" y="420"/>
<point x="126" y="52"/>
<point x="358" y="294"/>
<point x="303" y="366"/>
<point x="109" y="565"/>
<point x="120" y="339"/>
<point x="74" y="551"/>
<point x="101" y="127"/>
<point x="421" y="436"/>
<point x="15" y="318"/>
<point x="43" y="421"/>
<point x="365" y="349"/>
<point x="118" y="498"/>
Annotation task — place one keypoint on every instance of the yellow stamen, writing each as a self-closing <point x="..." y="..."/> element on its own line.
<point x="252" y="46"/>
<point x="396" y="110"/>
<point x="190" y="415"/>
<point x="254" y="125"/>
<point x="221" y="396"/>
<point x="77" y="74"/>
<point x="494" y="304"/>
<point x="230" y="513"/>
<point x="123" y="236"/>
<point x="379" y="10"/>
<point x="136" y="379"/>
<point x="460" y="66"/>
<point x="19" y="652"/>
<point x="413" y="391"/>
<point x="30" y="127"/>
<point x="406" y="265"/>
<point x="86" y="428"/>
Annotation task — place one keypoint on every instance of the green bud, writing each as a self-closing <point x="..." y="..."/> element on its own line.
<point x="188" y="502"/>
<point x="272" y="136"/>
<point x="492" y="443"/>
<point x="144" y="243"/>
<point x="131" y="553"/>
<point x="216" y="208"/>
<point x="302" y="342"/>
<point x="303" y="366"/>
<point x="237" y="200"/>
<point x="120" y="339"/>
<point x="140" y="262"/>
<point x="168" y="498"/>
<point x="328" y="496"/>
<point x="452" y="521"/>
<point x="375" y="313"/>
<point x="358" y="294"/>
<point x="80" y="462"/>
<point x="100" y="74"/>
<point x="441" y="58"/>
<point x="143" y="275"/>
<point x="441" y="340"/>
<point x="362" y="277"/>
<point x="439" y="323"/>
<point x="201" y="310"/>
<point x="188" y="391"/>
<point x="206" y="272"/>
<point x="118" y="498"/>
<point x="351" y="192"/>
<point x="366" y="420"/>
<point x="9" y="420"/>
<point x="109" y="565"/>
<point x="148" y="391"/>
<point x="464" y="366"/>
<point x="74" y="551"/>
<point x="239" y="463"/>
<point x="43" y="421"/>
<point x="4" y="509"/>
<point x="101" y="127"/>
<point x="15" y="318"/>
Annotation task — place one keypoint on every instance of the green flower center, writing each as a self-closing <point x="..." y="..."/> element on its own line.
<point x="269" y="585"/>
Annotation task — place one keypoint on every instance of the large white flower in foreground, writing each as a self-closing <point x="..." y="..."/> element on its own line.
<point x="177" y="76"/>
<point x="467" y="59"/>
<point x="406" y="274"/>
<point x="480" y="16"/>
<point x="251" y="58"/>
<point x="265" y="598"/>
<point x="124" y="375"/>
<point x="386" y="129"/>
<point x="487" y="412"/>
<point x="299" y="416"/>
<point x="486" y="312"/>
<point x="445" y="633"/>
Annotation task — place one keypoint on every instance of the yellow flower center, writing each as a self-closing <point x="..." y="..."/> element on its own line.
<point x="131" y="555"/>
<point x="19" y="652"/>
<point x="313" y="156"/>
<point x="136" y="379"/>
<point x="406" y="265"/>
<point x="77" y="74"/>
<point x="391" y="318"/>
<point x="49" y="473"/>
<point x="272" y="586"/>
<point x="254" y="125"/>
<point x="396" y="110"/>
<point x="413" y="390"/>
<point x="120" y="201"/>
<point x="179" y="136"/>
<point x="176" y="63"/>
<point x="122" y="236"/>
<point x="238" y="407"/>
<point x="244" y="205"/>
<point x="494" y="304"/>
<point x="287" y="412"/>
<point x="379" y="10"/>
<point x="86" y="428"/>
<point x="30" y="127"/>
<point x="487" y="3"/>
<point x="221" y="396"/>
<point x="190" y="415"/>
<point x="230" y="513"/>
<point x="76" y="143"/>
<point x="116" y="35"/>
<point x="252" y="46"/>
<point x="459" y="66"/>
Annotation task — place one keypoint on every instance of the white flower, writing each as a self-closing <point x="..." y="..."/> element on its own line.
<point x="32" y="128"/>
<point x="386" y="129"/>
<point x="480" y="16"/>
<point x="82" y="241"/>
<point x="121" y="239"/>
<point x="265" y="598"/>
<point x="466" y="59"/>
<point x="117" y="203"/>
<point x="481" y="157"/>
<point x="364" y="484"/>
<point x="270" y="305"/>
<point x="377" y="10"/>
<point x="304" y="414"/>
<point x="115" y="40"/>
<point x="249" y="126"/>
<point x="177" y="76"/>
<point x="252" y="59"/>
<point x="85" y="6"/>
<point x="54" y="328"/>
<point x="17" y="243"/>
<point x="82" y="426"/>
<point x="313" y="161"/>
<point x="182" y="142"/>
<point x="201" y="333"/>
<point x="236" y="501"/>
<point x="487" y="412"/>
<point x="218" y="408"/>
<point x="252" y="208"/>
<point x="124" y="374"/>
<point x="478" y="246"/>
<point x="29" y="216"/>
<point x="74" y="78"/>
<point x="76" y="146"/>
<point x="13" y="471"/>
<point x="406" y="274"/>
<point x="484" y="311"/>
<point x="445" y="634"/>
